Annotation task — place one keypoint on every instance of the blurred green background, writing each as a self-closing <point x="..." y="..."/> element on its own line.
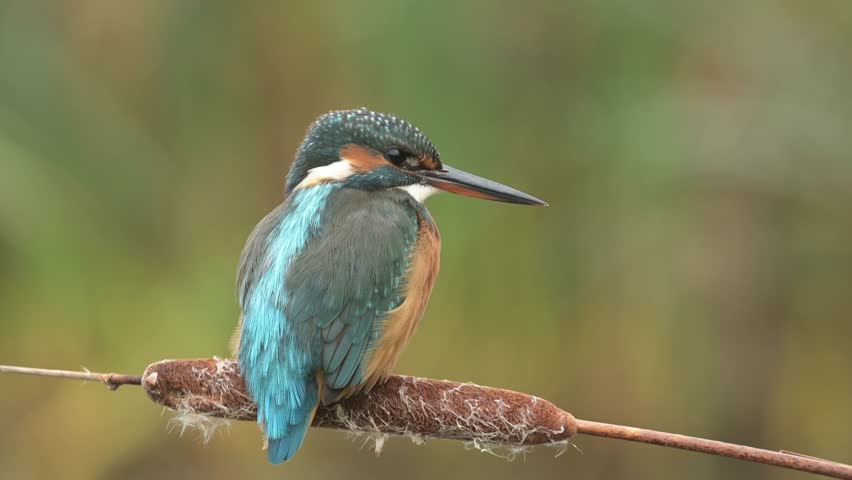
<point x="693" y="272"/>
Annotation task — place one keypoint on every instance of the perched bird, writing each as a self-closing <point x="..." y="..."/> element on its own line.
<point x="333" y="282"/>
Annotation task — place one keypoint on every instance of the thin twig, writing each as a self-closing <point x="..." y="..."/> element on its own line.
<point x="111" y="380"/>
<point x="421" y="406"/>
<point x="782" y="458"/>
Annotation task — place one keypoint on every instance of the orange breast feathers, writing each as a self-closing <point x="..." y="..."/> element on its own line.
<point x="401" y="322"/>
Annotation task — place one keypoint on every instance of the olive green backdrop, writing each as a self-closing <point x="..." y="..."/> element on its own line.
<point x="693" y="272"/>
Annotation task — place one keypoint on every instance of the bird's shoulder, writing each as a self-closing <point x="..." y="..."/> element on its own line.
<point x="363" y="243"/>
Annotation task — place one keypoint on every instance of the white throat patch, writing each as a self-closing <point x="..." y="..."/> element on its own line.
<point x="419" y="191"/>
<point x="333" y="172"/>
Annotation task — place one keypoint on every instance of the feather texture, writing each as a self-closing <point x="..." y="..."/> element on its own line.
<point x="350" y="277"/>
<point x="275" y="353"/>
<point x="316" y="282"/>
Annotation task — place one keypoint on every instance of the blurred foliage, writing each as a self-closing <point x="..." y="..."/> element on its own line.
<point x="692" y="274"/>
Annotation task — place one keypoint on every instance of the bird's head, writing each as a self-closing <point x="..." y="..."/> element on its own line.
<point x="374" y="151"/>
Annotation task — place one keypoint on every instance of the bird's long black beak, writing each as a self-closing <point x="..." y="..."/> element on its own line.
<point x="456" y="181"/>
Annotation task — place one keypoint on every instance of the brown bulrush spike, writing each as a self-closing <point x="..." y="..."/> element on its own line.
<point x="403" y="405"/>
<point x="201" y="390"/>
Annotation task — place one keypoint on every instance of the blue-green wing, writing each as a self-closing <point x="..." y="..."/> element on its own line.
<point x="348" y="277"/>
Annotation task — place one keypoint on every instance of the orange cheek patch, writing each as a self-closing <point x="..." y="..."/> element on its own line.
<point x="362" y="159"/>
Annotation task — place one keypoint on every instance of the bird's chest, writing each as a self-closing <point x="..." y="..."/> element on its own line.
<point x="401" y="322"/>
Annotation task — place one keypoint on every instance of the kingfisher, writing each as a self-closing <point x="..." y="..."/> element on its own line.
<point x="333" y="282"/>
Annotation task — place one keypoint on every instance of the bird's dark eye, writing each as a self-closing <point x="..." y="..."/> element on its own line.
<point x="395" y="156"/>
<point x="403" y="159"/>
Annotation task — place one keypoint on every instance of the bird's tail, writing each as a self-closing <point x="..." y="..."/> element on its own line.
<point x="281" y="449"/>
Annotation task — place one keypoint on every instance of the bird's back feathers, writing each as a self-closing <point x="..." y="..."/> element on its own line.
<point x="317" y="279"/>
